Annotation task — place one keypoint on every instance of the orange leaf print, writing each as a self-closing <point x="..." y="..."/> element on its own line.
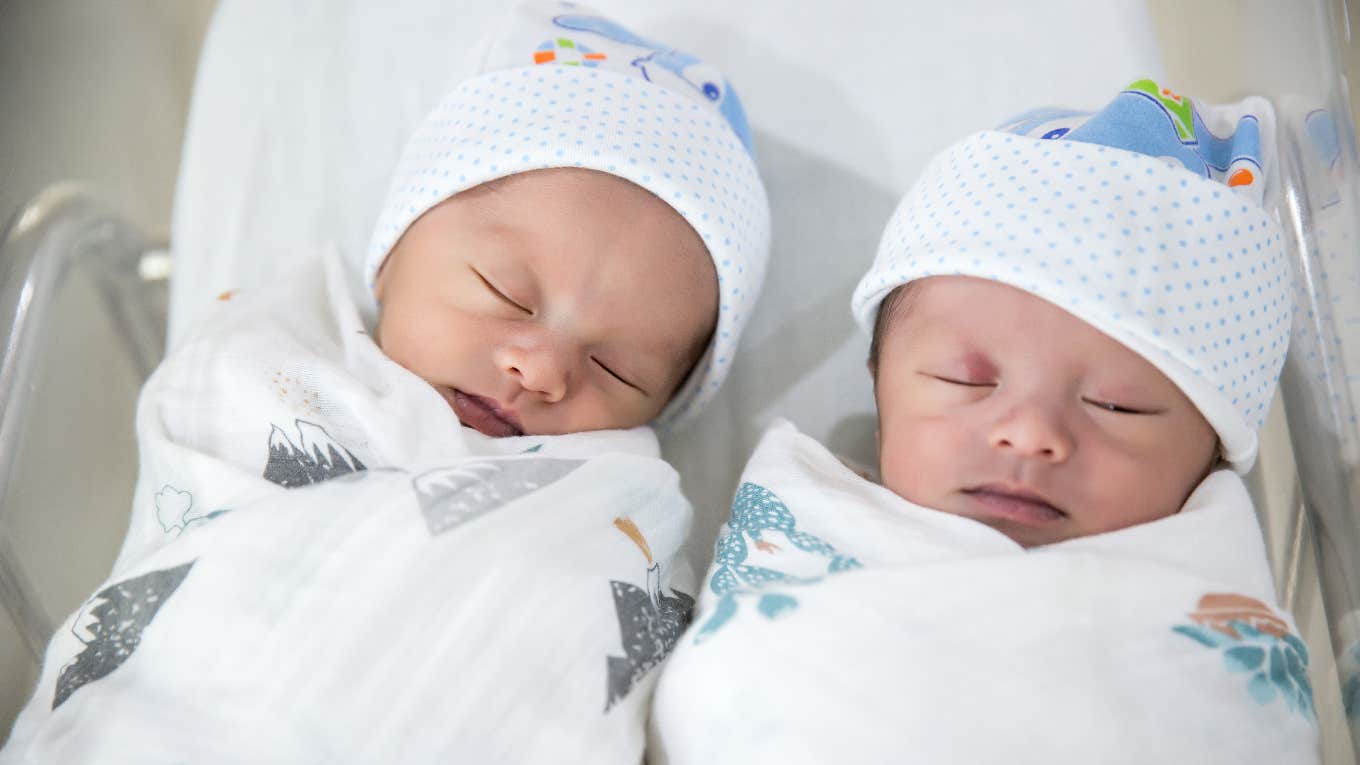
<point x="1218" y="611"/>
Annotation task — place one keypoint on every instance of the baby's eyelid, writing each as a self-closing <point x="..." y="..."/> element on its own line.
<point x="617" y="376"/>
<point x="1117" y="408"/>
<point x="965" y="383"/>
<point x="498" y="293"/>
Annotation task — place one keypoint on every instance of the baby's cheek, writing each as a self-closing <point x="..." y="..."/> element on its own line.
<point x="1154" y="450"/>
<point x="596" y="409"/>
<point x="909" y="455"/>
<point x="392" y="337"/>
<point x="1124" y="491"/>
<point x="421" y="352"/>
<point x="922" y="396"/>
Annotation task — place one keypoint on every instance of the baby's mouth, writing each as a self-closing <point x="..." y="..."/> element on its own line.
<point x="483" y="415"/>
<point x="1014" y="503"/>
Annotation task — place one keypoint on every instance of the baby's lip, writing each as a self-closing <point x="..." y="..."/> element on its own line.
<point x="1015" y="502"/>
<point x="484" y="415"/>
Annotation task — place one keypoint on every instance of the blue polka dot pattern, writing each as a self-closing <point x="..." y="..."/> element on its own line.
<point x="1180" y="269"/>
<point x="683" y="151"/>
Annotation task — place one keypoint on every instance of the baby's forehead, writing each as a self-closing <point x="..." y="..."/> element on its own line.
<point x="974" y="308"/>
<point x="984" y="327"/>
<point x="952" y="301"/>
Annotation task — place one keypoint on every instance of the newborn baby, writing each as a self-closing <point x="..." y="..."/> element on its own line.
<point x="1078" y="323"/>
<point x="435" y="527"/>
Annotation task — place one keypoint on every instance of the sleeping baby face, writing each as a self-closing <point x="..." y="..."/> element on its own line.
<point x="552" y="301"/>
<point x="1001" y="407"/>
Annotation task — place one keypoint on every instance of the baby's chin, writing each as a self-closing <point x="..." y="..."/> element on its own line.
<point x="1028" y="537"/>
<point x="1026" y="526"/>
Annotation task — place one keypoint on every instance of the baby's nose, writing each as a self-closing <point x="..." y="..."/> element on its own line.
<point x="1031" y="430"/>
<point x="538" y="364"/>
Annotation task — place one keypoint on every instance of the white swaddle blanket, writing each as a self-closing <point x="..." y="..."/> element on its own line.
<point x="844" y="624"/>
<point x="323" y="566"/>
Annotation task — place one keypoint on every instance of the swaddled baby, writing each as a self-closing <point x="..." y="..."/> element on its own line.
<point x="1078" y="323"/>
<point x="434" y="526"/>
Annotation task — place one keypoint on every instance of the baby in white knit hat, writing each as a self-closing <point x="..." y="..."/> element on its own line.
<point x="567" y="249"/>
<point x="1070" y="331"/>
<point x="573" y="240"/>
<point x="1076" y="319"/>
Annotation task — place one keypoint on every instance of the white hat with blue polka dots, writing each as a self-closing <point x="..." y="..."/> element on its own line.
<point x="1139" y="220"/>
<point x="565" y="87"/>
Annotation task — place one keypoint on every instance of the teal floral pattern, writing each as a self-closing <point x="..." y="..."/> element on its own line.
<point x="759" y="520"/>
<point x="1256" y="643"/>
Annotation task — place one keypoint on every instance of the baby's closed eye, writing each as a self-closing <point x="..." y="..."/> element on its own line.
<point x="500" y="294"/>
<point x="1121" y="408"/>
<point x="964" y="380"/>
<point x="618" y="376"/>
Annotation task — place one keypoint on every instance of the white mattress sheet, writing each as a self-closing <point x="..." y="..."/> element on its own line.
<point x="300" y="110"/>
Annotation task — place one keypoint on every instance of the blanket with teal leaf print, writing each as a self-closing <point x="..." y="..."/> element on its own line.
<point x="841" y="623"/>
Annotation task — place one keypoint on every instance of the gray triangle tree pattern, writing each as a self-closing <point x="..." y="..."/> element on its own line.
<point x="121" y="612"/>
<point x="314" y="457"/>
<point x="650" y="624"/>
<point x="454" y="495"/>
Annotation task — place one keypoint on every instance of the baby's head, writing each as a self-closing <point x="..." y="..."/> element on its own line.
<point x="574" y="239"/>
<point x="1076" y="318"/>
